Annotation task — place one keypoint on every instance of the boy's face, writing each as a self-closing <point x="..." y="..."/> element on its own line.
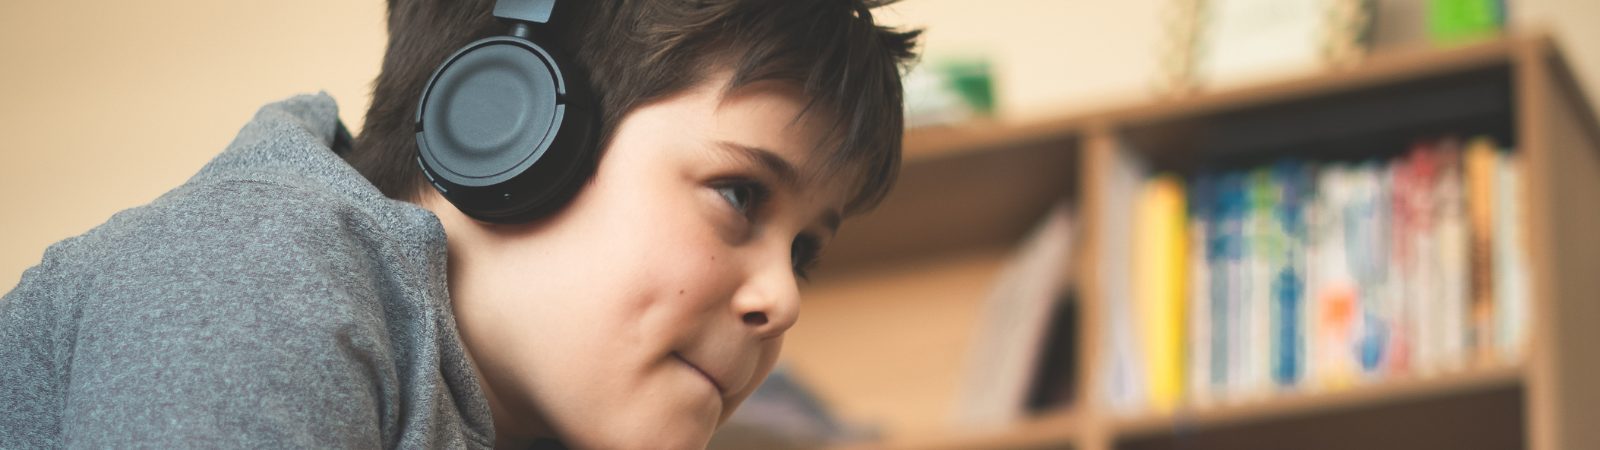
<point x="645" y="311"/>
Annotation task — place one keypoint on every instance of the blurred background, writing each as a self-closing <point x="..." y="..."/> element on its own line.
<point x="1090" y="241"/>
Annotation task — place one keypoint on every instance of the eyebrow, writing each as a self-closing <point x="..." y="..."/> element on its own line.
<point x="783" y="170"/>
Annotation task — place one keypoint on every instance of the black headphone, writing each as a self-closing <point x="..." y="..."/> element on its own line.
<point x="506" y="127"/>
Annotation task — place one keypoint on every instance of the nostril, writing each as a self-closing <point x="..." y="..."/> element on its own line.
<point x="755" y="319"/>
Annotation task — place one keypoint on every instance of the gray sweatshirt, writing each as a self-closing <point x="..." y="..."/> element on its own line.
<point x="275" y="300"/>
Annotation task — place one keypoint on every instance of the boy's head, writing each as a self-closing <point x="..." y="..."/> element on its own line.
<point x="734" y="136"/>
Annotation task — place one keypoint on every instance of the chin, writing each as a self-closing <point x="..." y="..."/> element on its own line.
<point x="667" y="428"/>
<point x="666" y="439"/>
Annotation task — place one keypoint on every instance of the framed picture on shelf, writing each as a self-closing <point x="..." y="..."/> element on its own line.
<point x="1220" y="43"/>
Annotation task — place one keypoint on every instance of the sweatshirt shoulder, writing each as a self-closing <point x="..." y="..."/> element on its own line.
<point x="213" y="244"/>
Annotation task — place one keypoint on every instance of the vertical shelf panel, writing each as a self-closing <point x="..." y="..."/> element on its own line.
<point x="1563" y="194"/>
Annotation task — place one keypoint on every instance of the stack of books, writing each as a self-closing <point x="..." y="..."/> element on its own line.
<point x="1301" y="276"/>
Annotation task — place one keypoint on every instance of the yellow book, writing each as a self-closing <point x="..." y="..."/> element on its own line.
<point x="1159" y="289"/>
<point x="1481" y="159"/>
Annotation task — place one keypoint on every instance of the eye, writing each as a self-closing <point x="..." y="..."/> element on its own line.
<point x="803" y="255"/>
<point x="744" y="196"/>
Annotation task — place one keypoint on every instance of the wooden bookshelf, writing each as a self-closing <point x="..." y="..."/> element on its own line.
<point x="887" y="317"/>
<point x="1054" y="429"/>
<point x="1302" y="404"/>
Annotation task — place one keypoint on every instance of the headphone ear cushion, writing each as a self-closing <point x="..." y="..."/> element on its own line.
<point x="505" y="133"/>
<point x="489" y="114"/>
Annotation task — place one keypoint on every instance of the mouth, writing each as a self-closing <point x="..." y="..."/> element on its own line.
<point x="703" y="373"/>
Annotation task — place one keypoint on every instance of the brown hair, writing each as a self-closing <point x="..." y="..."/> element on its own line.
<point x="637" y="51"/>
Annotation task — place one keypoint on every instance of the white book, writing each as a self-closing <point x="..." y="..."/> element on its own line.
<point x="1510" y="264"/>
<point x="1453" y="261"/>
<point x="1122" y="360"/>
<point x="1005" y="354"/>
<point x="1332" y="287"/>
<point x="1258" y="291"/>
<point x="1363" y="225"/>
<point x="1199" y="355"/>
<point x="1426" y="278"/>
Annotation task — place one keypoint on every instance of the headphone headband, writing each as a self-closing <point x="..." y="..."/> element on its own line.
<point x="531" y="11"/>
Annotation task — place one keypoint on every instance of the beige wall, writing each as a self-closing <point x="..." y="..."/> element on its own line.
<point x="108" y="104"/>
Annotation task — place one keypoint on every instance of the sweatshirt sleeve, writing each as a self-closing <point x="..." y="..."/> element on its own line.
<point x="228" y="328"/>
<point x="241" y="377"/>
<point x="32" y="326"/>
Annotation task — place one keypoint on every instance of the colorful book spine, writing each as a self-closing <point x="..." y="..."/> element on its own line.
<point x="1333" y="287"/>
<point x="1453" y="257"/>
<point x="1123" y="366"/>
<point x="1479" y="161"/>
<point x="1261" y="246"/>
<point x="1313" y="276"/>
<point x="1364" y="221"/>
<point x="1397" y="351"/>
<point x="1226" y="253"/>
<point x="1287" y="264"/>
<point x="1199" y="358"/>
<point x="1510" y="264"/>
<point x="1418" y="245"/>
<point x="1158" y="254"/>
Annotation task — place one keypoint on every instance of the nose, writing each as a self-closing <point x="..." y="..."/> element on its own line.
<point x="769" y="303"/>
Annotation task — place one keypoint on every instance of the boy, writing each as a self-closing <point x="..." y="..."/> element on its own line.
<point x="292" y="296"/>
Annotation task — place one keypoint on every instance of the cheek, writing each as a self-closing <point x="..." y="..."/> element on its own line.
<point x="655" y="262"/>
<point x="685" y="267"/>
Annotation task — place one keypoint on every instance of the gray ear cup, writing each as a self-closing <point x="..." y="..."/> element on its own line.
<point x="505" y="130"/>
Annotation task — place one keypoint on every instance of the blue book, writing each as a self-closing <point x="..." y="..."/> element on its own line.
<point x="1367" y="232"/>
<point x="1292" y="180"/>
<point x="1225" y="253"/>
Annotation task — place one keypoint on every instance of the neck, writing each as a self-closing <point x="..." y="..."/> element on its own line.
<point x="516" y="426"/>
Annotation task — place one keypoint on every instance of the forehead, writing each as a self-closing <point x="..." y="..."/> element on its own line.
<point x="777" y="116"/>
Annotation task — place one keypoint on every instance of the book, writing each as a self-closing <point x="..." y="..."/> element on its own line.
<point x="1453" y="256"/>
<point x="1415" y="248"/>
<point x="1479" y="160"/>
<point x="1014" y="327"/>
<point x="1122" y="364"/>
<point x="1301" y="275"/>
<point x="1290" y="183"/>
<point x="1226" y="252"/>
<point x="1159" y="247"/>
<point x="1333" y="286"/>
<point x="1055" y="378"/>
<point x="1199" y="355"/>
<point x="1367" y="222"/>
<point x="1511" y="289"/>
<point x="1261" y="243"/>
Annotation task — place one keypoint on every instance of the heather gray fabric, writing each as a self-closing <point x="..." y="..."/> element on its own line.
<point x="275" y="300"/>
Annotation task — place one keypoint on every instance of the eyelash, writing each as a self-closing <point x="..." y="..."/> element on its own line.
<point x="802" y="252"/>
<point x="803" y="256"/>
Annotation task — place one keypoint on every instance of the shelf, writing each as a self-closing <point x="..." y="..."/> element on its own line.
<point x="1290" y="405"/>
<point x="944" y="141"/>
<point x="1063" y="428"/>
<point x="1399" y="66"/>
<point x="1045" y="431"/>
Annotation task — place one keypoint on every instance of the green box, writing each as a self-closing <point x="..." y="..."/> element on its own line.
<point x="1457" y="21"/>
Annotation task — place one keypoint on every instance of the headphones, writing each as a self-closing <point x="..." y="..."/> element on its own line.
<point x="506" y="127"/>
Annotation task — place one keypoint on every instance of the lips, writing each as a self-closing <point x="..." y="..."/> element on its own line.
<point x="703" y="373"/>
